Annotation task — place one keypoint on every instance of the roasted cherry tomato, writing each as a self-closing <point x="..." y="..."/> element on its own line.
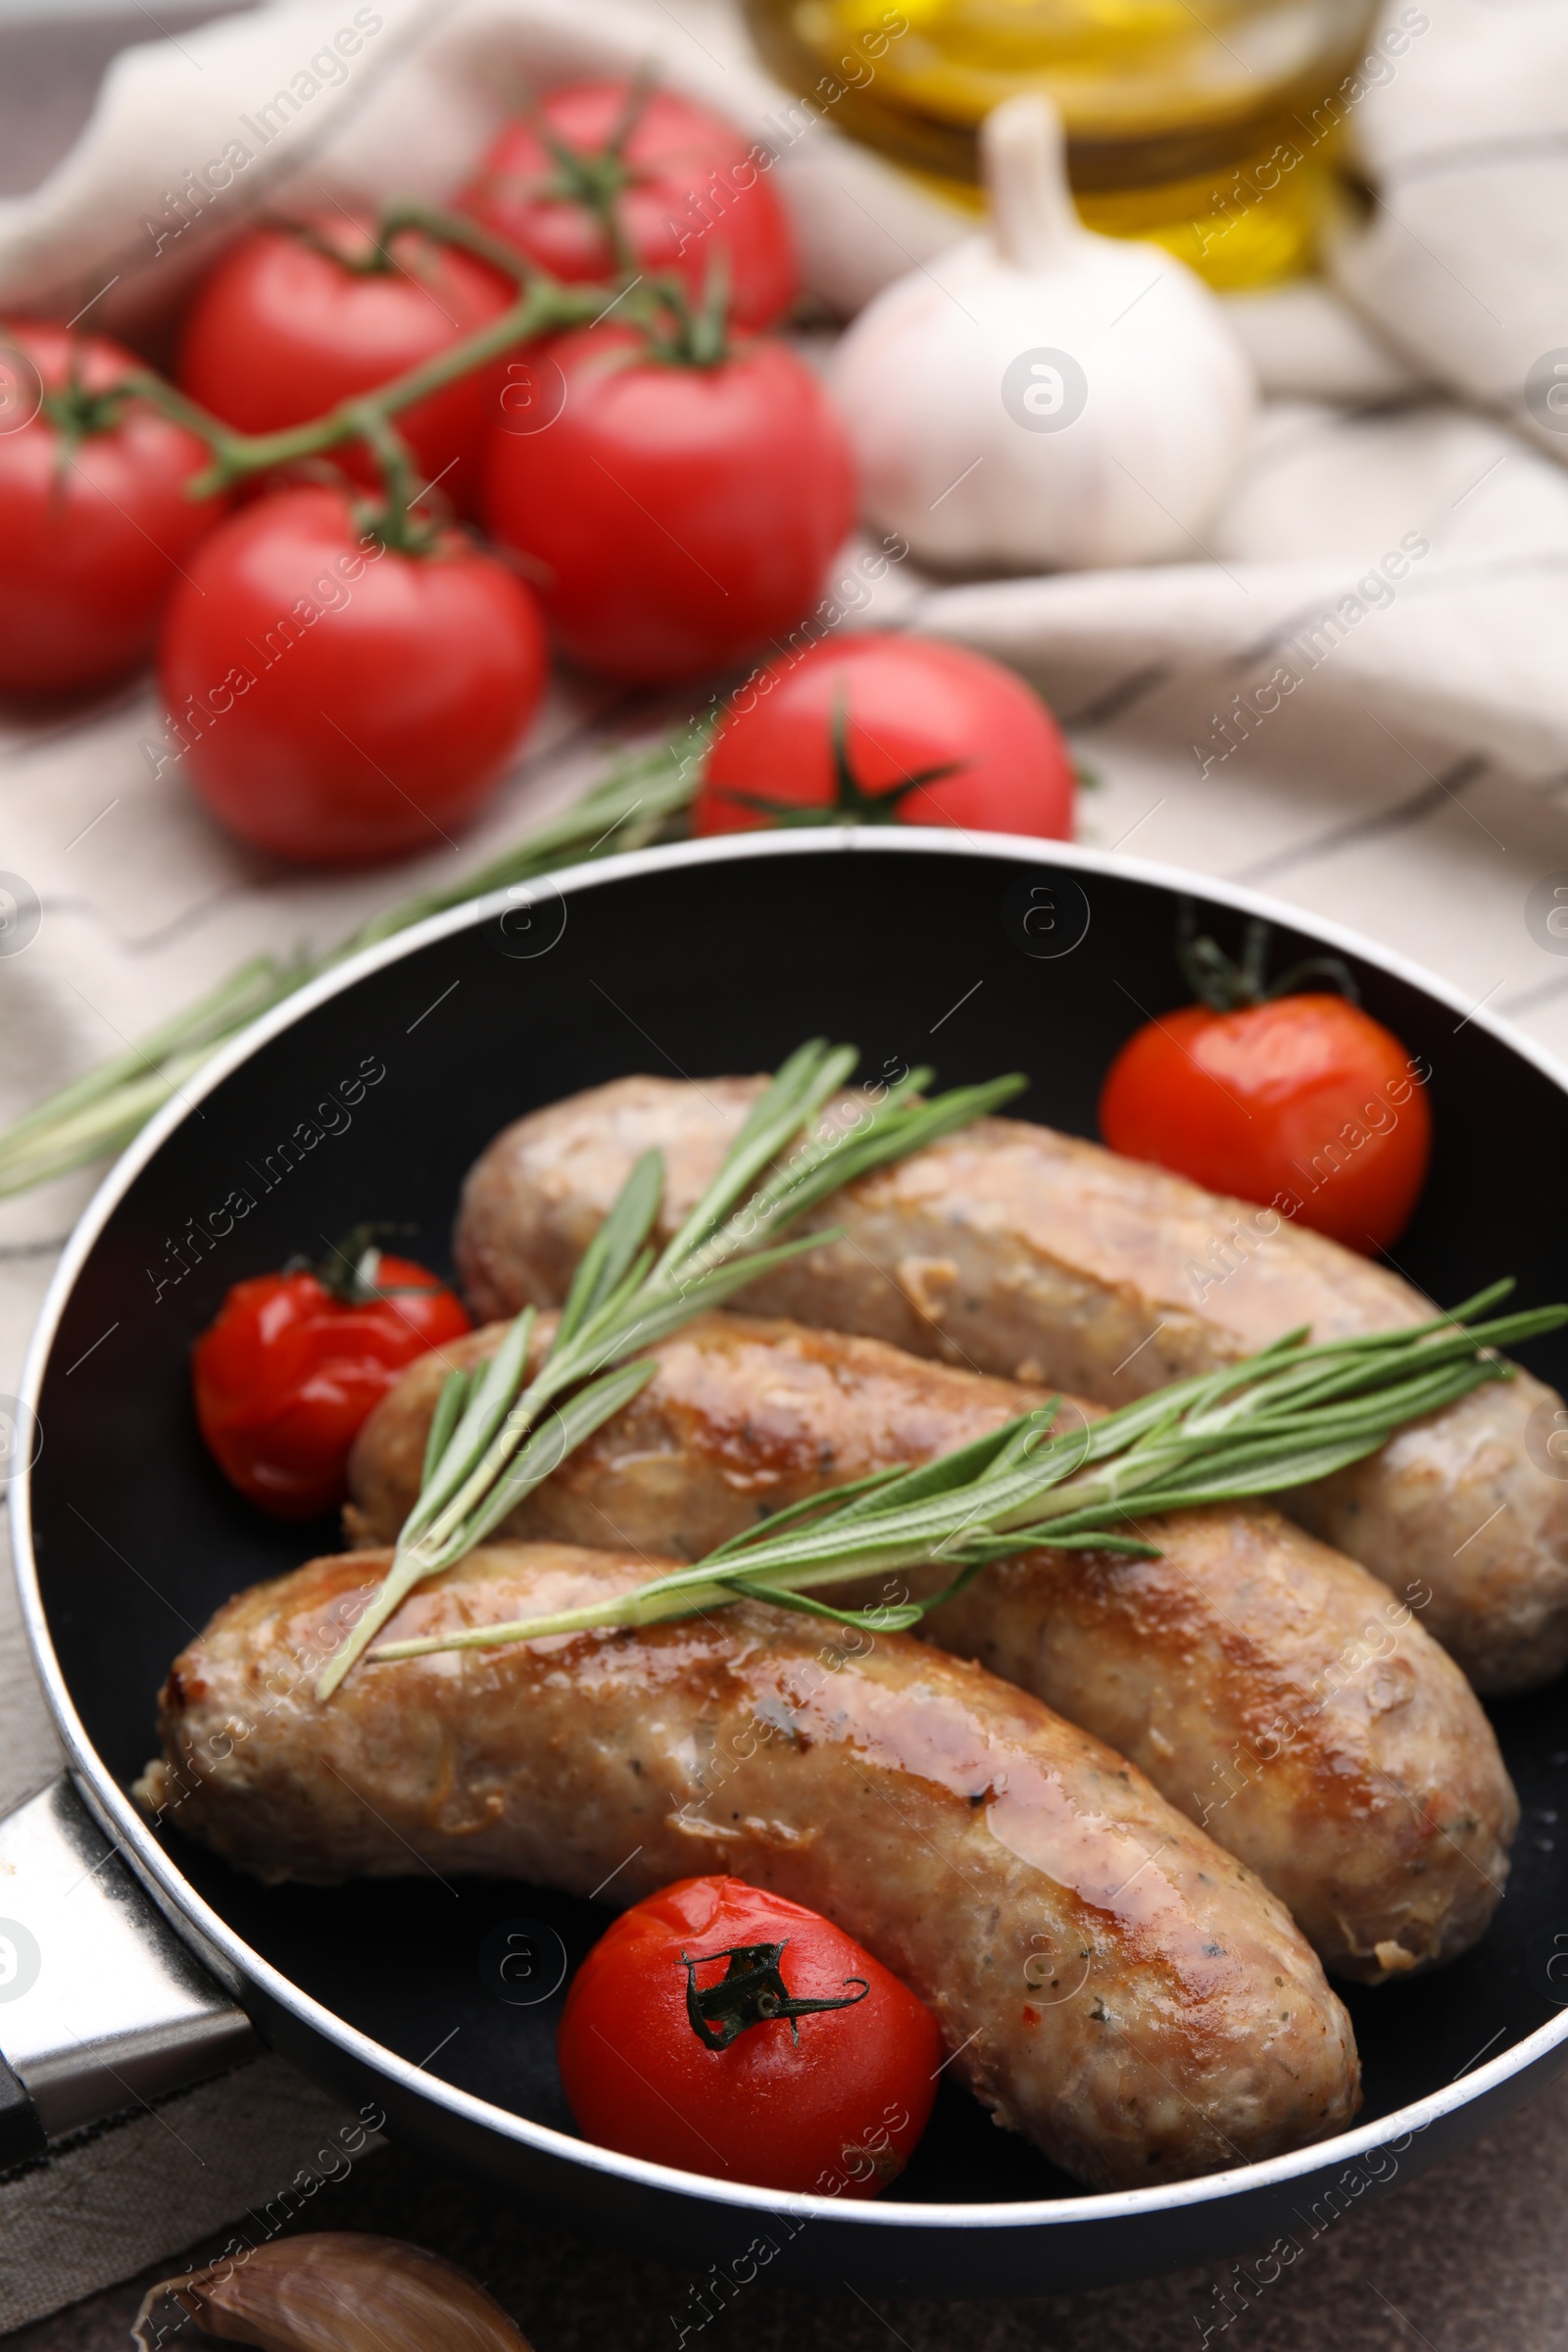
<point x="296" y="1360"/>
<point x="293" y="321"/>
<point x="336" y="699"/>
<point x="676" y="516"/>
<point x="727" y="2031"/>
<point x="877" y="728"/>
<point x="682" y="186"/>
<point x="1301" y="1101"/>
<point x="95" y="525"/>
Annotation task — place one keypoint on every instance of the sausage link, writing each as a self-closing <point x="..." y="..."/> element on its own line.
<point x="1269" y="1686"/>
<point x="1021" y="1251"/>
<point x="1107" y="1981"/>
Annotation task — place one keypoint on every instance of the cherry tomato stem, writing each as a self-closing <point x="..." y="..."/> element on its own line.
<point x="751" y="1991"/>
<point x="541" y="307"/>
<point x="1230" y="985"/>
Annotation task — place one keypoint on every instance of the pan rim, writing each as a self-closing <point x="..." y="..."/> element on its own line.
<point x="240" y="1965"/>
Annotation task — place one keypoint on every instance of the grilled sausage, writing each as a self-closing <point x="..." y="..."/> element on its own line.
<point x="1269" y="1686"/>
<point x="1017" y="1251"/>
<point x="1107" y="1981"/>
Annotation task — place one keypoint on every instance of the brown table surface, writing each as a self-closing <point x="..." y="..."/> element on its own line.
<point x="1470" y="2256"/>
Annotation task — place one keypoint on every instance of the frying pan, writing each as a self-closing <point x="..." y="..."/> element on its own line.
<point x="131" y="1961"/>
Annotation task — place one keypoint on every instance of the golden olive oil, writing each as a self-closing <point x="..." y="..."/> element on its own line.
<point x="1209" y="126"/>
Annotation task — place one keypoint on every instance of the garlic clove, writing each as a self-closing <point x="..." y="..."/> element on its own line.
<point x="335" y="2291"/>
<point x="1042" y="398"/>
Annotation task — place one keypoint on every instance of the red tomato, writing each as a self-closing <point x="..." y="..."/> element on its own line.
<point x="832" y="2102"/>
<point x="340" y="702"/>
<point x="677" y="517"/>
<point x="296" y="1360"/>
<point x="281" y="332"/>
<point x="911" y="709"/>
<point x="94" y="522"/>
<point x="1306" y="1102"/>
<point x="689" y="196"/>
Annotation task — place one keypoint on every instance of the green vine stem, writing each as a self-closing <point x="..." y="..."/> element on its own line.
<point x="543" y="306"/>
<point x="395" y="521"/>
<point x="406" y="213"/>
<point x="676" y="333"/>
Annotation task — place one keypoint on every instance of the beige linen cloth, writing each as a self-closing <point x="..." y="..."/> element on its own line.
<point x="1412" y="783"/>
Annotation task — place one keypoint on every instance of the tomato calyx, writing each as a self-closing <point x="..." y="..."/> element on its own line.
<point x="78" y="413"/>
<point x="697" y="334"/>
<point x="851" y="804"/>
<point x="402" y="525"/>
<point x="1226" y="985"/>
<point x="350" y="1274"/>
<point x="402" y="528"/>
<point x="367" y="256"/>
<point x="751" y="1991"/>
<point x="366" y="250"/>
<point x="596" y="177"/>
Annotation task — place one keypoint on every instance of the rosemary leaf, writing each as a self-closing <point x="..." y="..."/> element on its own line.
<point x="500" y="1439"/>
<point x="454" y="1392"/>
<point x="610" y="1256"/>
<point x="546" y="1449"/>
<point x="800" y="1087"/>
<point x="1292" y="1413"/>
<point x="104" y="1109"/>
<point x="488" y="1403"/>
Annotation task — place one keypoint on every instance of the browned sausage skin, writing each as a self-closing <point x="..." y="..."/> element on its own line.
<point x="1269" y="1686"/>
<point x="1107" y="1981"/>
<point x="1017" y="1251"/>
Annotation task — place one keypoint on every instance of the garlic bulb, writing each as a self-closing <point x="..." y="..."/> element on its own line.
<point x="336" y="2290"/>
<point x="1042" y="397"/>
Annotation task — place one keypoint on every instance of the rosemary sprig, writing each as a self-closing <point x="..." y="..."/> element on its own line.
<point x="1279" y="1419"/>
<point x="101" y="1111"/>
<point x="494" y="1440"/>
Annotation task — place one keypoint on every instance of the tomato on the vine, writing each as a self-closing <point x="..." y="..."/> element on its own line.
<point x="336" y="699"/>
<point x="879" y="728"/>
<point x="294" y="320"/>
<point x="685" y="187"/>
<point x="676" y="515"/>
<point x="727" y="2031"/>
<point x="1299" y="1101"/>
<point x="295" y="1362"/>
<point x="95" y="526"/>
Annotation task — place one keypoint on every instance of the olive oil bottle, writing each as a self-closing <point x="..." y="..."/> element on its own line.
<point x="1210" y="125"/>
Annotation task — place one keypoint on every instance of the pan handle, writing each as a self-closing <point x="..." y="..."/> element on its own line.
<point x="102" y="2007"/>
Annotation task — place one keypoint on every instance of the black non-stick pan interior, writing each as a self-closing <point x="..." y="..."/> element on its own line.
<point x="374" y="1103"/>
